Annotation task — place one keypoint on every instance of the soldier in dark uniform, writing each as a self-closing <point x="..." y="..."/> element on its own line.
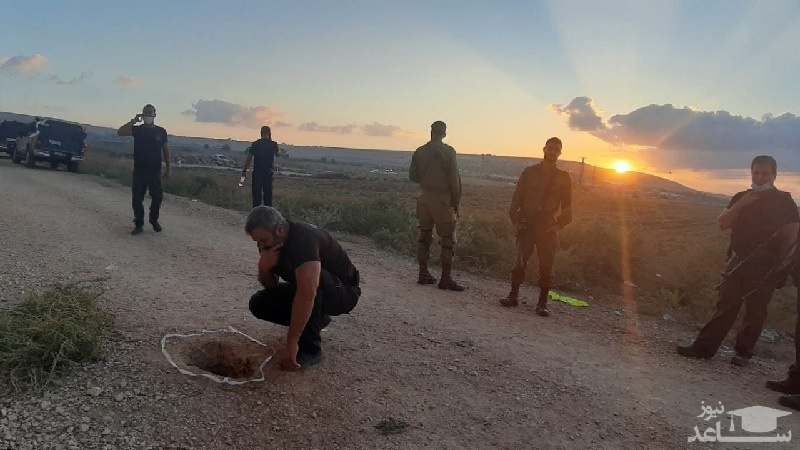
<point x="540" y="207"/>
<point x="263" y="153"/>
<point x="764" y="224"/>
<point x="434" y="168"/>
<point x="319" y="281"/>
<point x="149" y="145"/>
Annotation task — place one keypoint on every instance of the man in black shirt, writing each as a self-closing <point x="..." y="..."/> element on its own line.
<point x="764" y="224"/>
<point x="263" y="151"/>
<point x="319" y="281"/>
<point x="149" y="144"/>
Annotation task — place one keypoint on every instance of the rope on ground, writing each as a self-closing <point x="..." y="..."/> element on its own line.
<point x="225" y="380"/>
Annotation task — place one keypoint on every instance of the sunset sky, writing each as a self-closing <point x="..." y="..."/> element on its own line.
<point x="687" y="90"/>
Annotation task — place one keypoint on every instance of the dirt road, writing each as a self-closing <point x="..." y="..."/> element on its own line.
<point x="463" y="372"/>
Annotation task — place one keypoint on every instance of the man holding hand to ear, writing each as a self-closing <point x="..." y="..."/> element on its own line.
<point x="319" y="281"/>
<point x="149" y="145"/>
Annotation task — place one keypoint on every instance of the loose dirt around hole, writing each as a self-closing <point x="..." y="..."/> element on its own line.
<point x="227" y="355"/>
<point x="458" y="369"/>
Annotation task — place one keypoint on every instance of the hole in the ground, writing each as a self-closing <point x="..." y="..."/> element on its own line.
<point x="223" y="354"/>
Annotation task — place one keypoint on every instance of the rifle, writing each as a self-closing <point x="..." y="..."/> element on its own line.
<point x="782" y="269"/>
<point x="755" y="250"/>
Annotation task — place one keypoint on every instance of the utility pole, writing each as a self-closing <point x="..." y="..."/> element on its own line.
<point x="580" y="176"/>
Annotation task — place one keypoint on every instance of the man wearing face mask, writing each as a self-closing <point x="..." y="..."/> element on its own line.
<point x="540" y="207"/>
<point x="149" y="145"/>
<point x="319" y="281"/>
<point x="764" y="224"/>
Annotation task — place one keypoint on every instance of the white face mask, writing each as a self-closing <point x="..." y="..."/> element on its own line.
<point x="148" y="120"/>
<point x="762" y="188"/>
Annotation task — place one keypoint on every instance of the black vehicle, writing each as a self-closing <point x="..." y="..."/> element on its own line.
<point x="53" y="141"/>
<point x="10" y="130"/>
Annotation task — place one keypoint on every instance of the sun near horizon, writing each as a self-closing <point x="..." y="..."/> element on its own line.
<point x="622" y="166"/>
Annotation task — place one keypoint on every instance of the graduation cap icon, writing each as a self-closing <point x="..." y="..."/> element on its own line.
<point x="758" y="419"/>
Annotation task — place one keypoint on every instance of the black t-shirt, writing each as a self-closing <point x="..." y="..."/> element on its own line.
<point x="147" y="144"/>
<point x="307" y="243"/>
<point x="759" y="220"/>
<point x="264" y="151"/>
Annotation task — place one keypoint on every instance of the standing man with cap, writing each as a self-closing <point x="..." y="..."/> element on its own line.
<point x="149" y="145"/>
<point x="263" y="153"/>
<point x="540" y="208"/>
<point x="434" y="168"/>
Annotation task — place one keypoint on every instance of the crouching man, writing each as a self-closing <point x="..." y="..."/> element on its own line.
<point x="318" y="281"/>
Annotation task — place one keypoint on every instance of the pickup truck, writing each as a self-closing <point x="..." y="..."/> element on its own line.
<point x="10" y="130"/>
<point x="53" y="141"/>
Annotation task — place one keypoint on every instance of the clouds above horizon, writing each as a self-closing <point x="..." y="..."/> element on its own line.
<point x="21" y="64"/>
<point x="30" y="66"/>
<point x="374" y="129"/>
<point x="69" y="82"/>
<point x="688" y="138"/>
<point x="335" y="129"/>
<point x="232" y="114"/>
<point x="381" y="130"/>
<point x="127" y="81"/>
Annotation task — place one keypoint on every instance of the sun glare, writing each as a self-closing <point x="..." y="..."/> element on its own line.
<point x="622" y="166"/>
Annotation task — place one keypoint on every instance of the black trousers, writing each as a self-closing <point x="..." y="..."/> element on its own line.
<point x="144" y="180"/>
<point x="333" y="299"/>
<point x="728" y="305"/>
<point x="794" y="370"/>
<point x="262" y="189"/>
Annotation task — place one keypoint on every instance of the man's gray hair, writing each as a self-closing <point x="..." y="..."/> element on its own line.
<point x="265" y="217"/>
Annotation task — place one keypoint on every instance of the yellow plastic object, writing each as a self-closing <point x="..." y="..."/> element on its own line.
<point x="564" y="299"/>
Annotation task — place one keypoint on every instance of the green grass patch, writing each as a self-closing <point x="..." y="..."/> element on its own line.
<point x="48" y="332"/>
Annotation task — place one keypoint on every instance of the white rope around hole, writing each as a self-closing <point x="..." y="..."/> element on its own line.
<point x="212" y="377"/>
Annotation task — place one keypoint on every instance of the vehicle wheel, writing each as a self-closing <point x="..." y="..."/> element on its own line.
<point x="15" y="158"/>
<point x="30" y="160"/>
<point x="54" y="165"/>
<point x="73" y="166"/>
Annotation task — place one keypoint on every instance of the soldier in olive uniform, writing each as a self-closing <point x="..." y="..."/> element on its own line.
<point x="434" y="168"/>
<point x="540" y="207"/>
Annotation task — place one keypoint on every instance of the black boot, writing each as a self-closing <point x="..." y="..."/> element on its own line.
<point x="541" y="307"/>
<point x="690" y="351"/>
<point x="790" y="401"/>
<point x="513" y="297"/>
<point x="791" y="385"/>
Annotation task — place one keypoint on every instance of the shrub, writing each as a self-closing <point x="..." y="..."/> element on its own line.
<point x="49" y="331"/>
<point x="370" y="216"/>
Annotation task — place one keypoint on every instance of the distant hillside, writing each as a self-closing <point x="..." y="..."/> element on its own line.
<point x="502" y="168"/>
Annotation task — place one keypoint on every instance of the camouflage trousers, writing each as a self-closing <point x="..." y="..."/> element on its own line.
<point x="434" y="210"/>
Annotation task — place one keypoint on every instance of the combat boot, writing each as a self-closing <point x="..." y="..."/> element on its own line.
<point x="447" y="282"/>
<point x="791" y="385"/>
<point x="512" y="300"/>
<point x="541" y="307"/>
<point x="425" y="276"/>
<point x="790" y="401"/>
